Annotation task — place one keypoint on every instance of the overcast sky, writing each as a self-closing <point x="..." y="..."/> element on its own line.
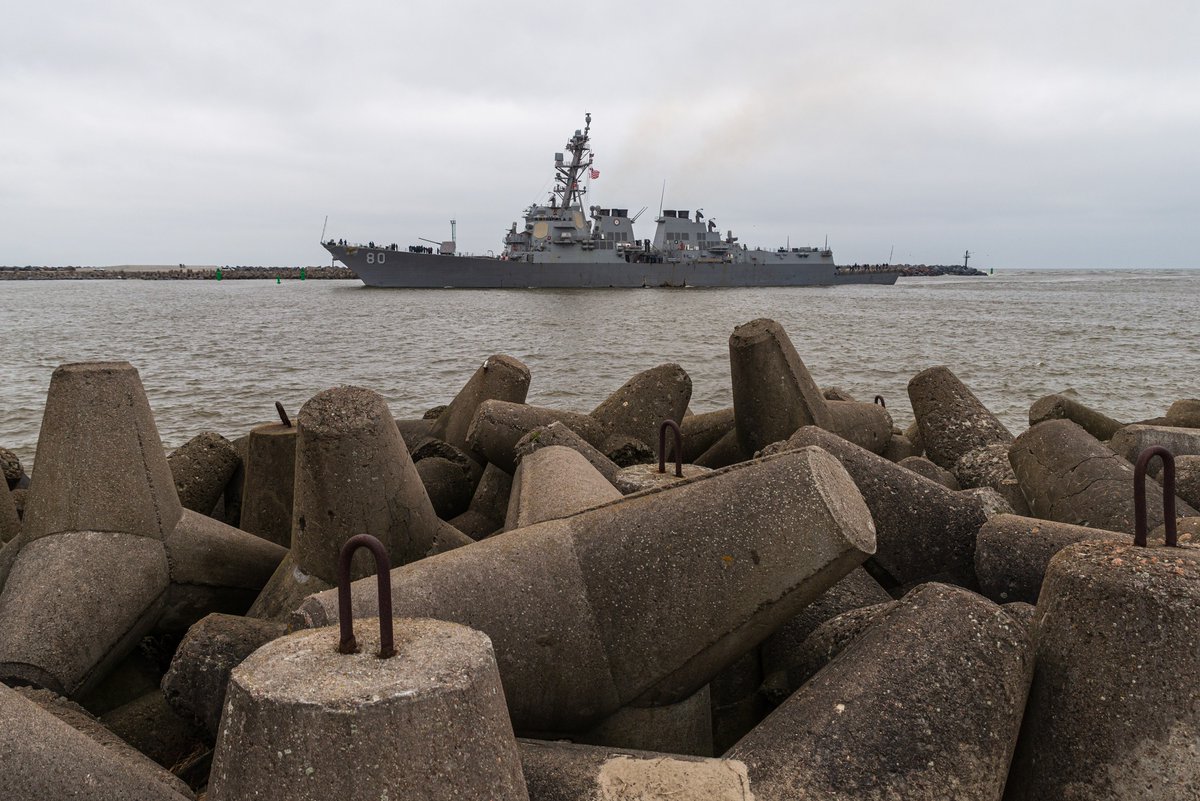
<point x="1036" y="134"/>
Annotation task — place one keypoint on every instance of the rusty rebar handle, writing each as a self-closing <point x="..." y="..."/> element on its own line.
<point x="283" y="415"/>
<point x="383" y="566"/>
<point x="662" y="447"/>
<point x="1171" y="534"/>
<point x="880" y="401"/>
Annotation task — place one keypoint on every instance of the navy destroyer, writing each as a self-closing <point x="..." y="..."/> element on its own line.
<point x="562" y="245"/>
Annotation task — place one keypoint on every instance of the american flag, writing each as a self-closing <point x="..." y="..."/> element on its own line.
<point x="592" y="171"/>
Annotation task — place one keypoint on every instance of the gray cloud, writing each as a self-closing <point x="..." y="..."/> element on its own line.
<point x="1035" y="134"/>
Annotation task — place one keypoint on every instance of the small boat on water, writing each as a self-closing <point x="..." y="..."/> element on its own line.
<point x="563" y="245"/>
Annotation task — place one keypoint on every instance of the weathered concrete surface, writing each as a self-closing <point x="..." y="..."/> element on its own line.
<point x="685" y="727"/>
<point x="701" y="431"/>
<point x="498" y="426"/>
<point x="500" y="377"/>
<point x="1130" y="441"/>
<point x="899" y="448"/>
<point x="1113" y="713"/>
<point x="737" y="704"/>
<point x="953" y="422"/>
<point x="638" y="408"/>
<point x="773" y="393"/>
<point x="555" y="482"/>
<point x="559" y="434"/>
<point x="489" y="505"/>
<point x="989" y="467"/>
<point x="43" y="757"/>
<point x="556" y="771"/>
<point x="922" y="466"/>
<point x="353" y="475"/>
<point x="1187" y="479"/>
<point x="643" y="600"/>
<point x="779" y="651"/>
<point x="1012" y="553"/>
<point x="195" y="684"/>
<point x="303" y="722"/>
<point x="75" y="603"/>
<point x="819" y="648"/>
<point x="625" y="450"/>
<point x="97" y="417"/>
<point x="1069" y="476"/>
<point x="448" y="484"/>
<point x="1061" y="407"/>
<point x="270" y="479"/>
<point x="214" y="568"/>
<point x="925" y="532"/>
<point x="992" y="502"/>
<point x="154" y="729"/>
<point x="638" y="477"/>
<point x="867" y="425"/>
<point x="10" y="468"/>
<point x="724" y="452"/>
<point x="83" y="721"/>
<point x="201" y="468"/>
<point x="10" y="523"/>
<point x="924" y="704"/>
<point x="837" y="394"/>
<point x="414" y="432"/>
<point x="1184" y="413"/>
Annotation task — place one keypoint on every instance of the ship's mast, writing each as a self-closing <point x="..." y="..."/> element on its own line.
<point x="966" y="258"/>
<point x="567" y="191"/>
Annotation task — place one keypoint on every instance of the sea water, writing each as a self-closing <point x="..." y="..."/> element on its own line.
<point x="217" y="355"/>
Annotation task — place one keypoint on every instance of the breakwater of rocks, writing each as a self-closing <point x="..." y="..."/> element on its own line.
<point x="787" y="598"/>
<point x="173" y="273"/>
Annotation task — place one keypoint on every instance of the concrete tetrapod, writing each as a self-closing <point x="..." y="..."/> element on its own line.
<point x="701" y="432"/>
<point x="1113" y="713"/>
<point x="953" y="422"/>
<point x="643" y="600"/>
<point x="10" y="523"/>
<point x="925" y="532"/>
<point x="500" y="377"/>
<point x="1130" y="441"/>
<point x="498" y="426"/>
<point x="269" y="483"/>
<point x="644" y="401"/>
<point x="1184" y="413"/>
<point x="303" y="722"/>
<point x="559" y="434"/>
<point x="555" y="482"/>
<point x="1060" y="407"/>
<point x="489" y="505"/>
<point x="90" y="573"/>
<point x="42" y="757"/>
<point x="353" y="476"/>
<point x="773" y="393"/>
<point x="201" y="468"/>
<point x="1069" y="476"/>
<point x="924" y="704"/>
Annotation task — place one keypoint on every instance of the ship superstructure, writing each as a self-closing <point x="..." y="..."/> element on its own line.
<point x="559" y="245"/>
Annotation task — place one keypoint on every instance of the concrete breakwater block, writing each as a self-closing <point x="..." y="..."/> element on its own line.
<point x="1130" y="441"/>
<point x="1113" y="713"/>
<point x="819" y="648"/>
<point x="269" y="482"/>
<point x="644" y="401"/>
<point x="449" y="485"/>
<point x="1012" y="553"/>
<point x="499" y="425"/>
<point x="43" y="757"/>
<point x="924" y="704"/>
<point x="1184" y="413"/>
<point x="90" y="572"/>
<point x="867" y="425"/>
<point x="555" y="482"/>
<point x="922" y="466"/>
<point x="1061" y="407"/>
<point x="559" y="434"/>
<point x="1187" y="479"/>
<point x="500" y="377"/>
<point x="201" y="468"/>
<point x="925" y="532"/>
<point x="489" y="505"/>
<point x="702" y="431"/>
<point x="10" y="523"/>
<point x="556" y="771"/>
<point x="195" y="684"/>
<point x="639" y="477"/>
<point x="684" y="727"/>
<point x="1069" y="476"/>
<point x="953" y="422"/>
<point x="305" y="722"/>
<point x="773" y="392"/>
<point x="353" y="475"/>
<point x="643" y="600"/>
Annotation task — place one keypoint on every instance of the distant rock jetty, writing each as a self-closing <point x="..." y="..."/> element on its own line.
<point x="809" y="604"/>
<point x="165" y="273"/>
<point x="911" y="270"/>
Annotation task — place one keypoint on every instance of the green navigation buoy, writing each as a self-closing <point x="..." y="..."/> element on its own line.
<point x="301" y="273"/>
<point x="218" y="273"/>
<point x="277" y="280"/>
<point x="991" y="271"/>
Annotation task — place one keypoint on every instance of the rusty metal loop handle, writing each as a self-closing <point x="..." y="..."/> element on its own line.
<point x="879" y="400"/>
<point x="1139" y="496"/>
<point x="283" y="415"/>
<point x="662" y="447"/>
<point x="383" y="566"/>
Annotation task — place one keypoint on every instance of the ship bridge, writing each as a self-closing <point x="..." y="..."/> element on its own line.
<point x="677" y="230"/>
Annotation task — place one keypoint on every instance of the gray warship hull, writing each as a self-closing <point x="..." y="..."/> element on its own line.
<point x="384" y="267"/>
